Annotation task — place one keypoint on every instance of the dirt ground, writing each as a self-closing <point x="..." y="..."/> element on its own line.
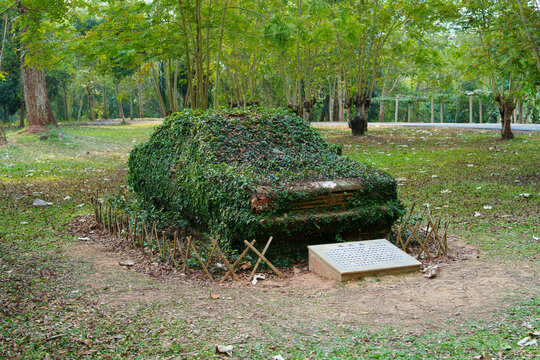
<point x="467" y="286"/>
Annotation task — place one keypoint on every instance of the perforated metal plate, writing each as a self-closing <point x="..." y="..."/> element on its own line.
<point x="345" y="261"/>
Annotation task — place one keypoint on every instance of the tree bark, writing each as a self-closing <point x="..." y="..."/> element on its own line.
<point x="105" y="105"/>
<point x="90" y="102"/>
<point x="162" y="107"/>
<point x="37" y="100"/>
<point x="480" y="110"/>
<point x="506" y="108"/>
<point x="80" y="108"/>
<point x="66" y="104"/>
<point x="432" y="113"/>
<point x="35" y="93"/>
<point x="130" y="101"/>
<point x="119" y="100"/>
<point x="341" y="101"/>
<point x="21" y="114"/>
<point x="359" y="122"/>
<point x="141" y="109"/>
<point x="382" y="111"/>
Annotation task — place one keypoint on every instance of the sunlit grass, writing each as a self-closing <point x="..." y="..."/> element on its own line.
<point x="45" y="311"/>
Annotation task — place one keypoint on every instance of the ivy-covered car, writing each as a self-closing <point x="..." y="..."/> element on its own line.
<point x="257" y="173"/>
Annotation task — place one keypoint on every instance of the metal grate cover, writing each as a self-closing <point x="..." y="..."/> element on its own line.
<point x="345" y="261"/>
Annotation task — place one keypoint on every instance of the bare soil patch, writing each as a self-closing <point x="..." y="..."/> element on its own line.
<point x="468" y="286"/>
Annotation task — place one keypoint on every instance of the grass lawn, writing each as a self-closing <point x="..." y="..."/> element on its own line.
<point x="61" y="298"/>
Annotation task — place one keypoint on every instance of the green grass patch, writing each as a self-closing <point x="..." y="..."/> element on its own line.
<point x="46" y="310"/>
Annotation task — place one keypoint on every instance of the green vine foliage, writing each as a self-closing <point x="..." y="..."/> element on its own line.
<point x="207" y="167"/>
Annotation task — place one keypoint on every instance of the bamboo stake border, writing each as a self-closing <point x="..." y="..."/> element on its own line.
<point x="170" y="249"/>
<point x="435" y="234"/>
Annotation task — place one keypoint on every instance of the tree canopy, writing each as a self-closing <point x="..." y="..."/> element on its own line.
<point x="339" y="60"/>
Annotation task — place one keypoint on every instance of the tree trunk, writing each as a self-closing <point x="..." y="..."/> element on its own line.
<point x="359" y="122"/>
<point x="341" y="101"/>
<point x="80" y="108"/>
<point x="141" y="109"/>
<point x="3" y="139"/>
<point x="130" y="101"/>
<point x="506" y="108"/>
<point x="90" y="102"/>
<point x="396" y="116"/>
<point x="382" y="111"/>
<point x="331" y="101"/>
<point x="66" y="104"/>
<point x="105" y="105"/>
<point x="21" y="115"/>
<point x="37" y="100"/>
<point x="162" y="107"/>
<point x="432" y="111"/>
<point x="119" y="100"/>
<point x="480" y="110"/>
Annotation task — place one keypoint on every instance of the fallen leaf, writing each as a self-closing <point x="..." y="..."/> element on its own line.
<point x="483" y="357"/>
<point x="245" y="266"/>
<point x="431" y="271"/>
<point x="214" y="296"/>
<point x="224" y="349"/>
<point x="128" y="263"/>
<point x="526" y="341"/>
<point x="256" y="278"/>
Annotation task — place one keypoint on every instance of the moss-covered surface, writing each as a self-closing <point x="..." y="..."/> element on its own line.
<point x="207" y="167"/>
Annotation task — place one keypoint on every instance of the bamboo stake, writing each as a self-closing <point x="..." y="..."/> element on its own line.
<point x="399" y="237"/>
<point x="99" y="215"/>
<point x="410" y="236"/>
<point x="110" y="219"/>
<point x="264" y="259"/>
<point x="421" y="244"/>
<point x="94" y="207"/>
<point x="259" y="259"/>
<point x="130" y="231"/>
<point x="439" y="241"/>
<point x="173" y="257"/>
<point x="180" y="252"/>
<point x="187" y="253"/>
<point x="233" y="267"/>
<point x="201" y="262"/>
<point x="155" y="233"/>
<point x="445" y="240"/>
<point x="165" y="250"/>
<point x="226" y="262"/>
<point x="135" y="226"/>
<point x="214" y="243"/>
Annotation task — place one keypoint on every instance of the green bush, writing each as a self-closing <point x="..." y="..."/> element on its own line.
<point x="208" y="166"/>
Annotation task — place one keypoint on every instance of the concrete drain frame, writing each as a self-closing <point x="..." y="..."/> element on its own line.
<point x="352" y="260"/>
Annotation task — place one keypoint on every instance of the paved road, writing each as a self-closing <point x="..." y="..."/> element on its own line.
<point x="515" y="127"/>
